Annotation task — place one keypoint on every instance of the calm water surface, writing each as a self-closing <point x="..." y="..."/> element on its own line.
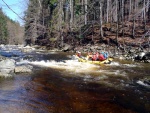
<point x="59" y="84"/>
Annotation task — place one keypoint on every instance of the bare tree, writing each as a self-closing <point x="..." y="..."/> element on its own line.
<point x="117" y="20"/>
<point x="130" y="8"/>
<point x="122" y="16"/>
<point x="144" y="14"/>
<point x="60" y="27"/>
<point x="107" y="19"/>
<point x="133" y="28"/>
<point x="101" y="19"/>
<point x="148" y="9"/>
<point x="85" y="16"/>
<point x="72" y="13"/>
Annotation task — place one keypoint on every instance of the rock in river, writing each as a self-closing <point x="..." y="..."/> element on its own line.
<point x="7" y="67"/>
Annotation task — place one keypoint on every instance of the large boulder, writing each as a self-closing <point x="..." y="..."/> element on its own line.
<point x="7" y="66"/>
<point x="67" y="47"/>
<point x="27" y="49"/>
<point x="146" y="57"/>
<point x="5" y="74"/>
<point x="142" y="56"/>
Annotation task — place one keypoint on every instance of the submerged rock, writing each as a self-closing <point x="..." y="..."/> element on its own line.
<point x="23" y="69"/>
<point x="27" y="49"/>
<point x="145" y="81"/>
<point x="5" y="75"/>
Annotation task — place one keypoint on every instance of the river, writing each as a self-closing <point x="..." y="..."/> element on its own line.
<point x="60" y="84"/>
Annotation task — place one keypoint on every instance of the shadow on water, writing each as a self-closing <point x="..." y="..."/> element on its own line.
<point x="61" y="94"/>
<point x="47" y="92"/>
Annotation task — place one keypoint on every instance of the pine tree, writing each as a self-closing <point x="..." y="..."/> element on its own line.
<point x="3" y="28"/>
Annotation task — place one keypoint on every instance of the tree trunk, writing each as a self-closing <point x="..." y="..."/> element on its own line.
<point x="144" y="15"/>
<point x="61" y="21"/>
<point x="107" y="19"/>
<point x="117" y="21"/>
<point x="122" y="16"/>
<point x="101" y="19"/>
<point x="148" y="9"/>
<point x="85" y="16"/>
<point x="133" y="29"/>
<point x="130" y="8"/>
<point x="72" y="13"/>
<point x="122" y="10"/>
<point x="66" y="12"/>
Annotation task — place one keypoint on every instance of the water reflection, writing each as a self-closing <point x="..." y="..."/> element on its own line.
<point x="63" y="94"/>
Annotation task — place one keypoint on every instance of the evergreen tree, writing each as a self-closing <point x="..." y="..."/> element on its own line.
<point x="3" y="28"/>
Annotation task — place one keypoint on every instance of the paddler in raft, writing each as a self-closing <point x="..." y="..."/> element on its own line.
<point x="96" y="56"/>
<point x="79" y="55"/>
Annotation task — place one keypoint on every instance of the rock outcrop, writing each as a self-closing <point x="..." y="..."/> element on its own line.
<point x="9" y="67"/>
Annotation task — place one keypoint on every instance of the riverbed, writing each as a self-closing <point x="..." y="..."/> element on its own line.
<point x="61" y="84"/>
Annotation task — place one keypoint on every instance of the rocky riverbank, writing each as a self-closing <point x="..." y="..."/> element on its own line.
<point x="9" y="60"/>
<point x="10" y="56"/>
<point x="126" y="53"/>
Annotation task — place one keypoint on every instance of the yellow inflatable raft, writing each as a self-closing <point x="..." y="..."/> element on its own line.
<point x="107" y="61"/>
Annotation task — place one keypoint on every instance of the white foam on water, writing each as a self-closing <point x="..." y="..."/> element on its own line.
<point x="120" y="73"/>
<point x="73" y="66"/>
<point x="89" y="72"/>
<point x="114" y="64"/>
<point x="21" y="62"/>
<point x="127" y="65"/>
<point x="130" y="65"/>
<point x="87" y="77"/>
<point x="102" y="77"/>
<point x="113" y="73"/>
<point x="69" y="65"/>
<point x="142" y="83"/>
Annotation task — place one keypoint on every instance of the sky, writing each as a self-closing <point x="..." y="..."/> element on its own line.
<point x="18" y="6"/>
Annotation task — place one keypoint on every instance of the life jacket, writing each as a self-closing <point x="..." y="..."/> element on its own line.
<point x="101" y="57"/>
<point x="105" y="55"/>
<point x="97" y="56"/>
<point x="94" y="58"/>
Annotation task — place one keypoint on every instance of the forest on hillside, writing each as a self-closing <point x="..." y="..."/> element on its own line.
<point x="11" y="32"/>
<point x="54" y="23"/>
